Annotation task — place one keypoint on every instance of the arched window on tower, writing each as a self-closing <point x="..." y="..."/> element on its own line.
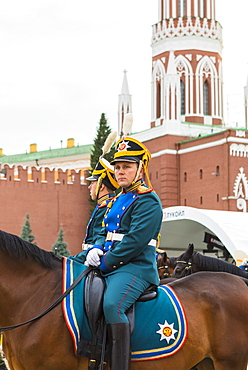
<point x="158" y="99"/>
<point x="205" y="98"/>
<point x="182" y="8"/>
<point x="201" y="7"/>
<point x="182" y="91"/>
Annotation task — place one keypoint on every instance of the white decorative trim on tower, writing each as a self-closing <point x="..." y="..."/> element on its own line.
<point x="194" y="93"/>
<point x="246" y="104"/>
<point x="239" y="150"/>
<point x="240" y="190"/>
<point x="172" y="91"/>
<point x="180" y="27"/>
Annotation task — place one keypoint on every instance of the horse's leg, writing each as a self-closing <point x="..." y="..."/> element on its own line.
<point x="206" y="364"/>
<point x="168" y="363"/>
<point x="230" y="365"/>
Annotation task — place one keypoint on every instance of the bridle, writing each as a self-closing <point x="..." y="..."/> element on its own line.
<point x="165" y="266"/>
<point x="166" y="273"/>
<point x="187" y="268"/>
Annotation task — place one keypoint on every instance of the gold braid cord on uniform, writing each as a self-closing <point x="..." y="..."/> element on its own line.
<point x="138" y="172"/>
<point x="134" y="186"/>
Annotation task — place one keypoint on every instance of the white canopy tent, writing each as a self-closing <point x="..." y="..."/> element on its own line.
<point x="184" y="225"/>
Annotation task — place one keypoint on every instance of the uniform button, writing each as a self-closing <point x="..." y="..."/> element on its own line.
<point x="118" y="216"/>
<point x="121" y="263"/>
<point x="133" y="196"/>
<point x="123" y="208"/>
<point x="117" y="224"/>
<point x="106" y="225"/>
<point x="114" y="267"/>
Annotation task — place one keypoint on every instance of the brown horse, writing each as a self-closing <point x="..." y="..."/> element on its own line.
<point x="215" y="305"/>
<point x="165" y="265"/>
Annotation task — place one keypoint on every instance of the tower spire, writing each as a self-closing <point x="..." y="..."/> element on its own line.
<point x="125" y="102"/>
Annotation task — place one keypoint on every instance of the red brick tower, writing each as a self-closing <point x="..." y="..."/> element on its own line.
<point x="187" y="64"/>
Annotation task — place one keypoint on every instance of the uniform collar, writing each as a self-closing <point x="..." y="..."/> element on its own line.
<point x="105" y="197"/>
<point x="133" y="187"/>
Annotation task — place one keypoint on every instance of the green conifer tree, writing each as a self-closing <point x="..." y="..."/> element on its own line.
<point x="102" y="133"/>
<point x="60" y="247"/>
<point x="27" y="231"/>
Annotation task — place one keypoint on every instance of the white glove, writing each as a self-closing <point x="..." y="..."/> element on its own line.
<point x="93" y="257"/>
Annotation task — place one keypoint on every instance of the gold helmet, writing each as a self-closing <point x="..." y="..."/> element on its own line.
<point x="129" y="149"/>
<point x="103" y="173"/>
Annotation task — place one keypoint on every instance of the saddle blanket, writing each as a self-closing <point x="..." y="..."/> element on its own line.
<point x="160" y="324"/>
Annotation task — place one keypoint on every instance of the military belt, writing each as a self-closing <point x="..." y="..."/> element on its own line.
<point x="111" y="237"/>
<point x="86" y="246"/>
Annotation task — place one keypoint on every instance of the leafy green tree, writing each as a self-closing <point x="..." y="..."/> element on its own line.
<point x="102" y="133"/>
<point x="60" y="247"/>
<point x="27" y="231"/>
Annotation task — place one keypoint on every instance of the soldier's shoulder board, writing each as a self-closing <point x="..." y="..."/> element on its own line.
<point x="144" y="189"/>
<point x="104" y="204"/>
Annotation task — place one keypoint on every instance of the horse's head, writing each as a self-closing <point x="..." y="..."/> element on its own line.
<point x="183" y="263"/>
<point x="164" y="265"/>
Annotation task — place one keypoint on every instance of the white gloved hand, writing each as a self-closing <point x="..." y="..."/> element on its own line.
<point x="93" y="257"/>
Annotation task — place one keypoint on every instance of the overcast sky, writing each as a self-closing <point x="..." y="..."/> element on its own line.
<point x="62" y="65"/>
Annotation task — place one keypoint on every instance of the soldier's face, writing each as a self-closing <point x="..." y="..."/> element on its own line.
<point x="92" y="189"/>
<point x="125" y="173"/>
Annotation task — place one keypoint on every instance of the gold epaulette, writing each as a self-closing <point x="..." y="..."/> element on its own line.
<point x="103" y="204"/>
<point x="143" y="189"/>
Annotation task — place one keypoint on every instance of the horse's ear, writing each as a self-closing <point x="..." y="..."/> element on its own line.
<point x="190" y="250"/>
<point x="165" y="257"/>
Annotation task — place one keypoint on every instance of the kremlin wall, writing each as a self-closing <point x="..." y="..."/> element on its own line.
<point x="52" y="197"/>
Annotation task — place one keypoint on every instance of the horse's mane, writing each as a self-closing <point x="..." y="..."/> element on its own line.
<point x="19" y="248"/>
<point x="208" y="263"/>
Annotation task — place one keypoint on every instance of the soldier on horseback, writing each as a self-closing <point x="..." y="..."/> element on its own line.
<point x="102" y="188"/>
<point x="125" y="249"/>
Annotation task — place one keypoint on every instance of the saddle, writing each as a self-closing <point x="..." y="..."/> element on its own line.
<point x="98" y="349"/>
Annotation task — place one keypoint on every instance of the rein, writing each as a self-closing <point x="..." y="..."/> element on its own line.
<point x="59" y="300"/>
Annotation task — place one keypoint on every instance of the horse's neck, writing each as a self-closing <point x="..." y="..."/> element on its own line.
<point x="196" y="262"/>
<point x="22" y="284"/>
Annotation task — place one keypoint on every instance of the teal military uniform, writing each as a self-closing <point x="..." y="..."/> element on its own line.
<point x="94" y="226"/>
<point x="136" y="214"/>
<point x="125" y="249"/>
<point x="95" y="223"/>
<point x="103" y="173"/>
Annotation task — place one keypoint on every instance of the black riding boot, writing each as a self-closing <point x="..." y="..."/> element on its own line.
<point x="121" y="352"/>
<point x="3" y="366"/>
